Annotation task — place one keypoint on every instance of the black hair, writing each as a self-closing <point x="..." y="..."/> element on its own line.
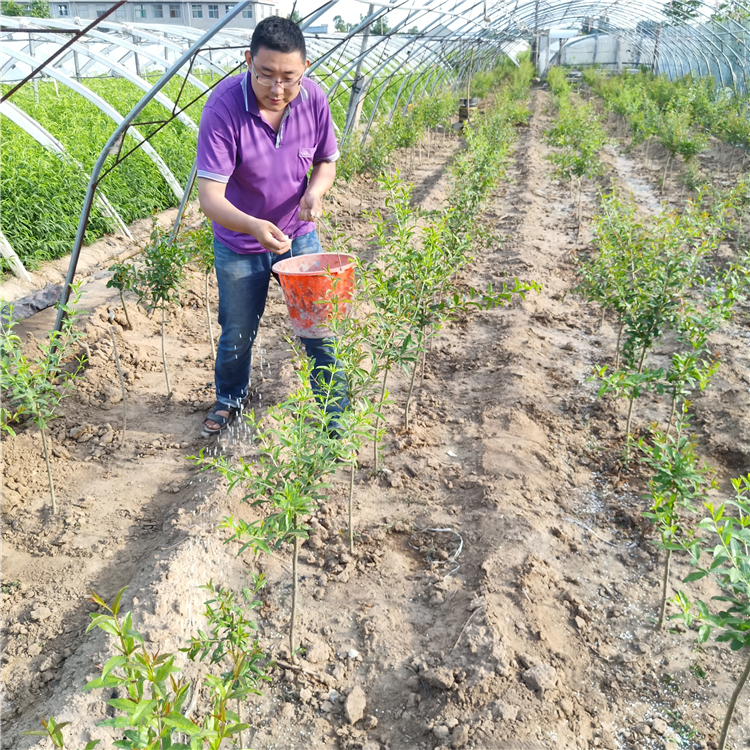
<point x="278" y="34"/>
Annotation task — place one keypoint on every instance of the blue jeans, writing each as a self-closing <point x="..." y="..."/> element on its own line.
<point x="243" y="287"/>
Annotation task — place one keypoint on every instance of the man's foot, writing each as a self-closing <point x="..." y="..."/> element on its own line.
<point x="219" y="418"/>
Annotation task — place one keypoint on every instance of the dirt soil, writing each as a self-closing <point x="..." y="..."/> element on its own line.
<point x="504" y="589"/>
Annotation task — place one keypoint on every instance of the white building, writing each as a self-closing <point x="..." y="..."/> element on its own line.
<point x="196" y="14"/>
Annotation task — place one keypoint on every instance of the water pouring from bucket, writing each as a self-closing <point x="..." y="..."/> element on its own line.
<point x="307" y="281"/>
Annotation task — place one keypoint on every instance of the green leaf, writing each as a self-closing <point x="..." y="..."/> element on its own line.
<point x="696" y="575"/>
<point x="143" y="708"/>
<point x="182" y="724"/>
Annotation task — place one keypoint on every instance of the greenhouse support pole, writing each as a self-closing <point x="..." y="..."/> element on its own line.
<point x="468" y="86"/>
<point x="185" y="198"/>
<point x="112" y="146"/>
<point x="354" y="110"/>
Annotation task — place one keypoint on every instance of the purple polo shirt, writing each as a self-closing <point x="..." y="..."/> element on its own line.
<point x="265" y="172"/>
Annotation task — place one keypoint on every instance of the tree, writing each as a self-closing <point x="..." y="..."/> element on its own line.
<point x="413" y="30"/>
<point x="295" y="16"/>
<point x="9" y="8"/>
<point x="341" y="25"/>
<point x="380" y="27"/>
<point x="680" y="11"/>
<point x="40" y="9"/>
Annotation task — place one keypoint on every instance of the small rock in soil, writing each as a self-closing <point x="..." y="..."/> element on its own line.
<point x="355" y="705"/>
<point x="305" y="695"/>
<point x="40" y="614"/>
<point x="317" y="653"/>
<point x="541" y="677"/>
<point x="659" y="726"/>
<point x="287" y="711"/>
<point x="642" y="729"/>
<point x="441" y="732"/>
<point x="505" y="711"/>
<point x="315" y="542"/>
<point x="326" y="707"/>
<point x="460" y="736"/>
<point x="439" y="678"/>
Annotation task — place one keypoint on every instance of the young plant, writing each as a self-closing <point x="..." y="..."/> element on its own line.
<point x="296" y="454"/>
<point x="678" y="483"/>
<point x="160" y="280"/>
<point x="124" y="279"/>
<point x="360" y="420"/>
<point x="202" y="242"/>
<point x="727" y="547"/>
<point x="150" y="703"/>
<point x="53" y="731"/>
<point x="36" y="387"/>
<point x="230" y="641"/>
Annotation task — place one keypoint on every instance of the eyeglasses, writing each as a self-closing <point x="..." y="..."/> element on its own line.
<point x="263" y="81"/>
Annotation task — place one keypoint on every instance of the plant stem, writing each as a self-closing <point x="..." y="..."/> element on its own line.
<point x="210" y="326"/>
<point x="664" y="587"/>
<point x="295" y="557"/>
<point x="122" y="386"/>
<point x="377" y="420"/>
<point x="617" y="348"/>
<point x="671" y="415"/>
<point x="127" y="317"/>
<point x="351" y="506"/>
<point x="239" y="716"/>
<point x="49" y="471"/>
<point x="732" y="704"/>
<point x="411" y="390"/>
<point x="163" y="352"/>
<point x="632" y="403"/>
<point x="664" y="179"/>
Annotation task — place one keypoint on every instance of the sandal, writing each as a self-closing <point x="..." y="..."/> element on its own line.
<point x="220" y="419"/>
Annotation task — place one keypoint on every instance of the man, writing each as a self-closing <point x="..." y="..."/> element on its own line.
<point x="260" y="133"/>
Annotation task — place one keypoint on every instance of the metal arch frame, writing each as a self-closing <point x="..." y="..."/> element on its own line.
<point x="117" y="137"/>
<point x="108" y="110"/>
<point x="442" y="49"/>
<point x="130" y="48"/>
<point x="136" y="80"/>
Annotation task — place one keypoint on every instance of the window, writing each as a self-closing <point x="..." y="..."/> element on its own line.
<point x="227" y="8"/>
<point x="247" y="12"/>
<point x="101" y="10"/>
<point x="62" y="10"/>
<point x="83" y="10"/>
<point x="197" y="11"/>
<point x="121" y="12"/>
<point x="158" y="11"/>
<point x="213" y="11"/>
<point x="175" y="11"/>
<point x="140" y="11"/>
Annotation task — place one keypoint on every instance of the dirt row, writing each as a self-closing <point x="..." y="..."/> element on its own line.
<point x="543" y="635"/>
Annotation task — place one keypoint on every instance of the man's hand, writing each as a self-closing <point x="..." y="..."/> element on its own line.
<point x="311" y="207"/>
<point x="270" y="236"/>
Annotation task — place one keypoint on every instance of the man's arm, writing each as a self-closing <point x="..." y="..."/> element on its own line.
<point x="321" y="179"/>
<point x="213" y="202"/>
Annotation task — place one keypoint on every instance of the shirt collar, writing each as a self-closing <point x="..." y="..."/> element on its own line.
<point x="251" y="103"/>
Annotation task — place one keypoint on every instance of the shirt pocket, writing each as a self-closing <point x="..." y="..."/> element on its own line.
<point x="305" y="161"/>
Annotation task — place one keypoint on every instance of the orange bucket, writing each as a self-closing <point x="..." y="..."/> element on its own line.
<point x="306" y="280"/>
